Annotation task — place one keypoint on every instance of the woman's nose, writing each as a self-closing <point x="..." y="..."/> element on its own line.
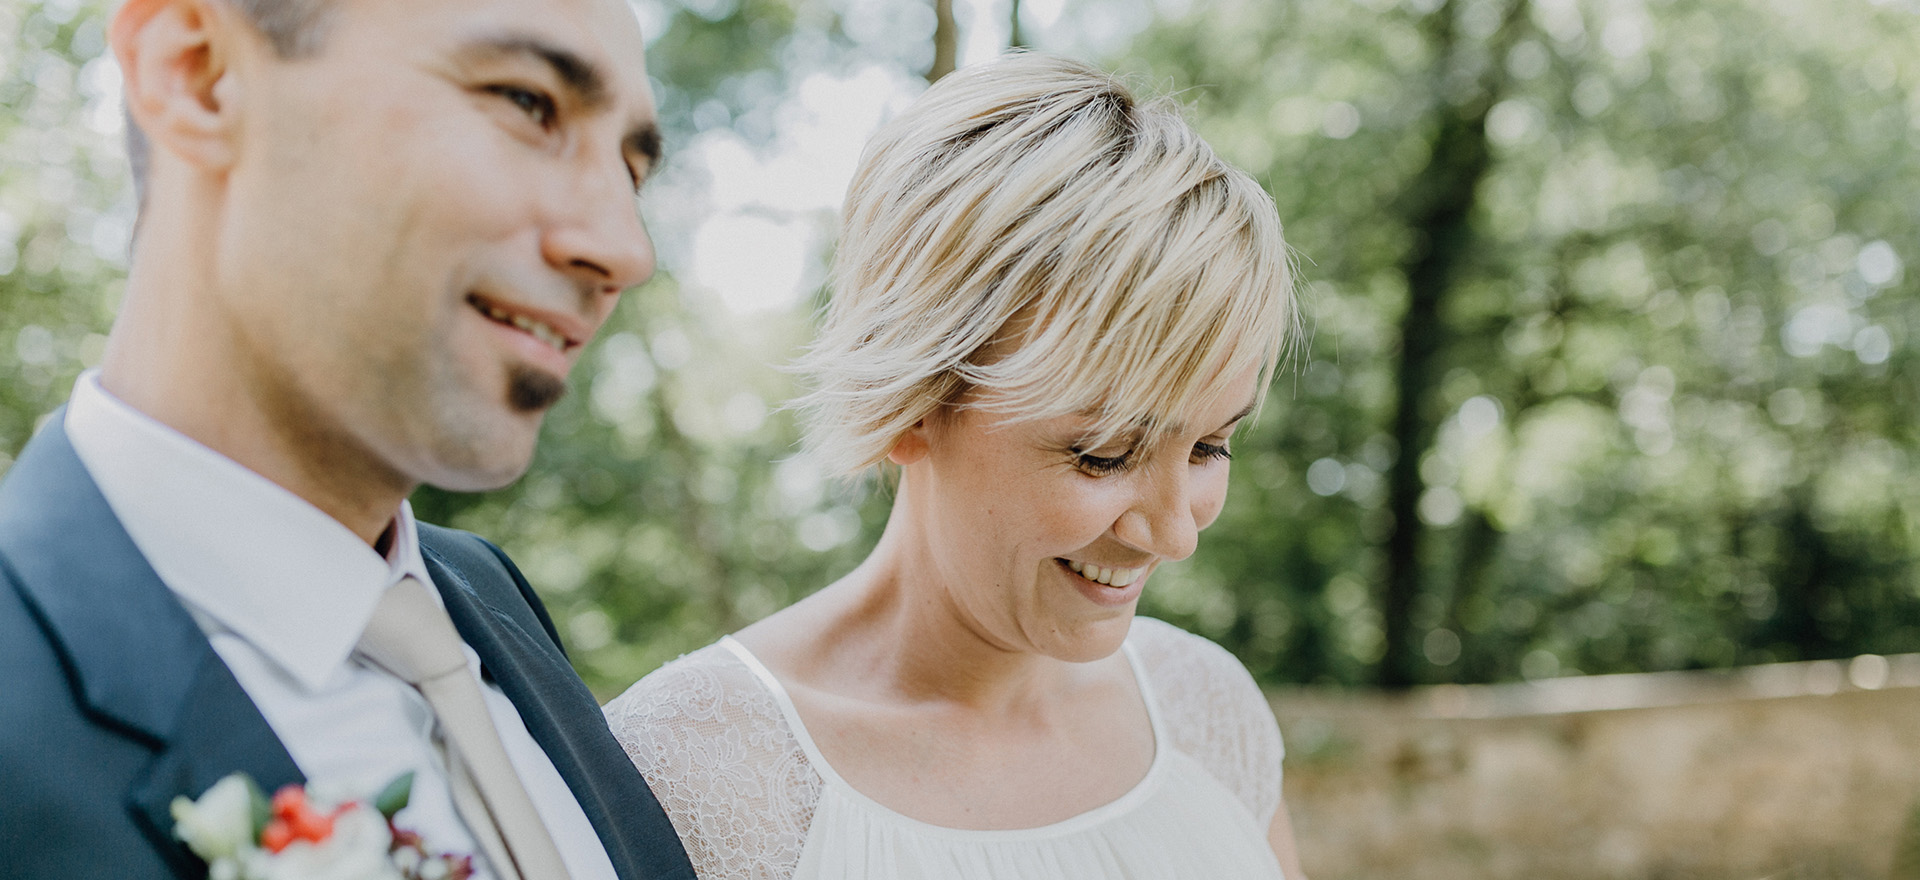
<point x="1162" y="520"/>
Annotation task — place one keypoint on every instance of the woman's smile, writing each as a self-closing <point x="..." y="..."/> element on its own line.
<point x="1114" y="577"/>
<point x="1120" y="586"/>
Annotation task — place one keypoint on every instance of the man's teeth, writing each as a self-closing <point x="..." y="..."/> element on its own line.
<point x="538" y="330"/>
<point x="1113" y="577"/>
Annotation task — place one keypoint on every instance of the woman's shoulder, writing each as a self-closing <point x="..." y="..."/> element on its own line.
<point x="700" y="719"/>
<point x="1185" y="668"/>
<point x="709" y="686"/>
<point x="1213" y="711"/>
<point x="1158" y="642"/>
<point x="714" y="745"/>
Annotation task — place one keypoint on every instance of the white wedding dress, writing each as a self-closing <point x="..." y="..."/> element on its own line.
<point x="719" y="741"/>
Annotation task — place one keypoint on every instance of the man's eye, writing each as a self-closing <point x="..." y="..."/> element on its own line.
<point x="536" y="105"/>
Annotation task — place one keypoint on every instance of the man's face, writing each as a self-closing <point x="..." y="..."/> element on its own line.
<point x="428" y="218"/>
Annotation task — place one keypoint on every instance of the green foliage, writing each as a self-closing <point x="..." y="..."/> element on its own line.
<point x="1673" y="401"/>
<point x="63" y="213"/>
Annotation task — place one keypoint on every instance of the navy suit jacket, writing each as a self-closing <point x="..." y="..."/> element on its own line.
<point x="112" y="701"/>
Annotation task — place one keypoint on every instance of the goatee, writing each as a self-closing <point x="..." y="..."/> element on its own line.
<point x="530" y="390"/>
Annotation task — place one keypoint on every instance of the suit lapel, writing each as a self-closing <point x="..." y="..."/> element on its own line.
<point x="558" y="710"/>
<point x="139" y="663"/>
<point x="221" y="732"/>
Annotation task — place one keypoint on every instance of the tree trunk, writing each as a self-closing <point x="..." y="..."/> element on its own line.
<point x="946" y="41"/>
<point x="1439" y="207"/>
<point x="1808" y="576"/>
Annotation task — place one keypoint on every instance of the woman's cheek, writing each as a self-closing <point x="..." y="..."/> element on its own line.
<point x="1210" y="494"/>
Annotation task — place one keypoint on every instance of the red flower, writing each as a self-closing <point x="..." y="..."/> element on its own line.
<point x="294" y="818"/>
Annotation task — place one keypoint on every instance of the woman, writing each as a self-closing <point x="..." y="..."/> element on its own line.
<point x="1053" y="307"/>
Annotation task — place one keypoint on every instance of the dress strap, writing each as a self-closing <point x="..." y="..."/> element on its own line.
<point x="787" y="709"/>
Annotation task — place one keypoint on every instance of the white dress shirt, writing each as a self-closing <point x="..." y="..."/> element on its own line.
<point x="283" y="592"/>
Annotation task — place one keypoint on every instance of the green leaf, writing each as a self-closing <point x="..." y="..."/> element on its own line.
<point x="260" y="808"/>
<point x="394" y="797"/>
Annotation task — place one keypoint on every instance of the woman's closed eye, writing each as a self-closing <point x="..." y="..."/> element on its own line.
<point x="1101" y="465"/>
<point x="1204" y="452"/>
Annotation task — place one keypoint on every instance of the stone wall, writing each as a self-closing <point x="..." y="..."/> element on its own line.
<point x="1806" y="770"/>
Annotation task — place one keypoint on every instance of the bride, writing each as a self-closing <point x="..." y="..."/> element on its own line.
<point x="1054" y="306"/>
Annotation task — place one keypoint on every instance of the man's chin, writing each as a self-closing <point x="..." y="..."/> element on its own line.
<point x="477" y="465"/>
<point x="479" y="478"/>
<point x="484" y="439"/>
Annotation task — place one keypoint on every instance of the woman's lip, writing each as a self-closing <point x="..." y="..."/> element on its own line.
<point x="1102" y="594"/>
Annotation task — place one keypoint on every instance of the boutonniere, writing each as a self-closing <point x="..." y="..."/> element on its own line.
<point x="244" y="835"/>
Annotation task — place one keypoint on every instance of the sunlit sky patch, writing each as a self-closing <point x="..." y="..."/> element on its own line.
<point x="766" y="214"/>
<point x="770" y="210"/>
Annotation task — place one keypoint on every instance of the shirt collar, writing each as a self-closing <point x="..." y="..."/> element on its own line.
<point x="259" y="560"/>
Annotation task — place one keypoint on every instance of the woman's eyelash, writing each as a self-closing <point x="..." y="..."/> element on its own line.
<point x="1102" y="464"/>
<point x="1108" y="464"/>
<point x="1211" y="451"/>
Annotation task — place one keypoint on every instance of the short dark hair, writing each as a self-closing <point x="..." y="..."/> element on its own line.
<point x="293" y="27"/>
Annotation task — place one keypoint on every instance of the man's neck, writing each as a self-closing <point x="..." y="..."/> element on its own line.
<point x="185" y="387"/>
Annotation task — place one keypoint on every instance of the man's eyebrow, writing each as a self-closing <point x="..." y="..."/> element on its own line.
<point x="580" y="76"/>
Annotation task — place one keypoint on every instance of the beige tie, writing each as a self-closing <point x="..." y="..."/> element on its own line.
<point x="412" y="637"/>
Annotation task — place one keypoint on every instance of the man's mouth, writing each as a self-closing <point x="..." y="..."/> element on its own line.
<point x="1111" y="577"/>
<point x="534" y="327"/>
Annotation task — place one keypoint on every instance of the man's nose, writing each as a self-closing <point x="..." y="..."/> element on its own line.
<point x="600" y="239"/>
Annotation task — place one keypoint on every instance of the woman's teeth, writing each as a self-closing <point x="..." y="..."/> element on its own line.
<point x="1112" y="577"/>
<point x="534" y="328"/>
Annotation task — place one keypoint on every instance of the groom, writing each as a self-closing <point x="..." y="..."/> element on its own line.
<point x="374" y="238"/>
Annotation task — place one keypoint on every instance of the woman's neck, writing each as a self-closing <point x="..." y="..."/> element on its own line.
<point x="887" y="632"/>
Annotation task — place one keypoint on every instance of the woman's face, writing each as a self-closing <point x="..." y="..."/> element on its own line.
<point x="1040" y="544"/>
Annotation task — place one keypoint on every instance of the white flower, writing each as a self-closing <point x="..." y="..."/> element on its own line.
<point x="235" y="828"/>
<point x="218" y="824"/>
<point x="357" y="850"/>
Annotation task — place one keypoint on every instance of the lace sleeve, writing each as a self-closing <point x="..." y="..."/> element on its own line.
<point x="1214" y="712"/>
<point x="716" y="751"/>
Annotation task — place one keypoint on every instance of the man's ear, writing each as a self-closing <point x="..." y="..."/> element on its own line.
<point x="912" y="445"/>
<point x="176" y="60"/>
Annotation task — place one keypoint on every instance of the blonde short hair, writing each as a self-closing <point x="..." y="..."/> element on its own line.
<point x="1030" y="235"/>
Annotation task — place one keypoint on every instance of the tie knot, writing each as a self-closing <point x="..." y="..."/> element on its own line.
<point x="411" y="636"/>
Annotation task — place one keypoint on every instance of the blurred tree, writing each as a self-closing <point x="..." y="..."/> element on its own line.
<point x="1613" y="294"/>
<point x="65" y="207"/>
<point x="946" y="41"/>
<point x="1438" y="206"/>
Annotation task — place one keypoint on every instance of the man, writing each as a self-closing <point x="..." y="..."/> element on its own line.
<point x="374" y="238"/>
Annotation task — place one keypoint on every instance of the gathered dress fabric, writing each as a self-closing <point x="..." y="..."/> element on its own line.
<point x="719" y="741"/>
